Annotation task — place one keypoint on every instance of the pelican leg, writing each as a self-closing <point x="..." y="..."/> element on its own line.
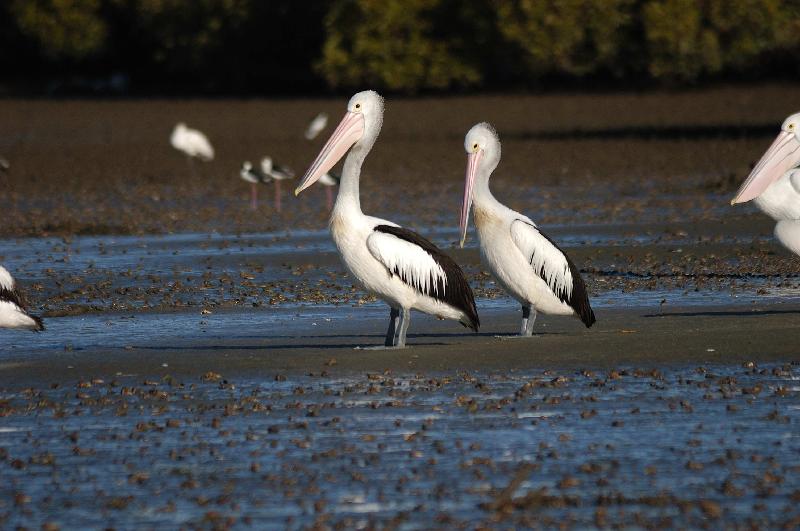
<point x="531" y="319"/>
<point x="527" y="321"/>
<point x="405" y="320"/>
<point x="393" y="315"/>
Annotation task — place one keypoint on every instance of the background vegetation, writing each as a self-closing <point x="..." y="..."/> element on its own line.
<point x="289" y="46"/>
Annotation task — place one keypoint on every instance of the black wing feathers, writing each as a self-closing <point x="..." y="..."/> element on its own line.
<point x="457" y="293"/>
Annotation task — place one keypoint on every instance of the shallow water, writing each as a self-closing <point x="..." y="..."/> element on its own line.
<point x="678" y="447"/>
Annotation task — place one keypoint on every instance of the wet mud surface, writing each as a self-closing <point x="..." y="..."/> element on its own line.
<point x="199" y="367"/>
<point x="681" y="447"/>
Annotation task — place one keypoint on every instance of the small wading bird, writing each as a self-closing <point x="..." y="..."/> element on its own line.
<point x="277" y="173"/>
<point x="317" y="125"/>
<point x="395" y="264"/>
<point x="255" y="177"/>
<point x="329" y="180"/>
<point x="774" y="184"/>
<point x="523" y="260"/>
<point x="192" y="143"/>
<point x="12" y="311"/>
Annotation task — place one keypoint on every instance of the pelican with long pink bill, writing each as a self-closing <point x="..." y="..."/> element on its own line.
<point x="774" y="184"/>
<point x="523" y="260"/>
<point x="395" y="264"/>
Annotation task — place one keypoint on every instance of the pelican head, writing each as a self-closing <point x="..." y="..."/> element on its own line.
<point x="782" y="156"/>
<point x="483" y="153"/>
<point x="359" y="127"/>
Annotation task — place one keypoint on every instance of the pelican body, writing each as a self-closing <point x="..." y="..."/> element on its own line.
<point x="191" y="142"/>
<point x="395" y="264"/>
<point x="12" y="311"/>
<point x="774" y="184"/>
<point x="524" y="261"/>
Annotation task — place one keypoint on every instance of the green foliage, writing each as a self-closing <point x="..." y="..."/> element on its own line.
<point x="64" y="29"/>
<point x="688" y="39"/>
<point x="391" y="44"/>
<point x="574" y="37"/>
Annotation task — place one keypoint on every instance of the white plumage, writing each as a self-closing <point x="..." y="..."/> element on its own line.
<point x="12" y="312"/>
<point x="774" y="184"/>
<point x="397" y="265"/>
<point x="191" y="142"/>
<point x="523" y="260"/>
<point x="545" y="258"/>
<point x="409" y="261"/>
<point x="317" y="125"/>
<point x="781" y="202"/>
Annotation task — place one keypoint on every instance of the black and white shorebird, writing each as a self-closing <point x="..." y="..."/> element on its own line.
<point x="329" y="180"/>
<point x="12" y="310"/>
<point x="395" y="264"/>
<point x="192" y="143"/>
<point x="254" y="176"/>
<point x="523" y="260"/>
<point x="277" y="173"/>
<point x="317" y="125"/>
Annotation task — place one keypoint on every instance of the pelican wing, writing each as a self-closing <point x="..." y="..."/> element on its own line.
<point x="553" y="266"/>
<point x="8" y="289"/>
<point x="424" y="267"/>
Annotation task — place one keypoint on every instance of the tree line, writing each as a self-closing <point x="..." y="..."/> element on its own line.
<point x="407" y="46"/>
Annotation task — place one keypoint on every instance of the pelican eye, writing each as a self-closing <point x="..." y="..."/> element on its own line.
<point x="475" y="147"/>
<point x="358" y="105"/>
<point x="790" y="127"/>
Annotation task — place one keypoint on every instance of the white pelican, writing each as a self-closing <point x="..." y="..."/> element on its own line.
<point x="12" y="311"/>
<point x="774" y="184"/>
<point x="191" y="142"/>
<point x="254" y="177"/>
<point x="395" y="264"/>
<point x="277" y="173"/>
<point x="317" y="125"/>
<point x="523" y="260"/>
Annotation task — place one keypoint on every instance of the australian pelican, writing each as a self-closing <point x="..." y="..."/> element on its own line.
<point x="277" y="173"/>
<point x="12" y="311"/>
<point x="774" y="184"/>
<point x="254" y="176"/>
<point x="191" y="142"/>
<point x="317" y="125"/>
<point x="523" y="260"/>
<point x="397" y="265"/>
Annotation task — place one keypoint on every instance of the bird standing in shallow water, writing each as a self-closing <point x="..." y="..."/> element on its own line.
<point x="395" y="264"/>
<point x="12" y="311"/>
<point x="191" y="143"/>
<point x="774" y="184"/>
<point x="317" y="125"/>
<point x="255" y="177"/>
<point x="277" y="173"/>
<point x="523" y="260"/>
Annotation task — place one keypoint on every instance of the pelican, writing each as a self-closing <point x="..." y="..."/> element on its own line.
<point x="277" y="173"/>
<point x="317" y="125"/>
<point x="254" y="177"/>
<point x="523" y="260"/>
<point x="12" y="311"/>
<point x="191" y="142"/>
<point x="395" y="264"/>
<point x="774" y="184"/>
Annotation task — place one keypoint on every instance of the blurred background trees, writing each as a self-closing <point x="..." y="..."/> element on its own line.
<point x="286" y="46"/>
